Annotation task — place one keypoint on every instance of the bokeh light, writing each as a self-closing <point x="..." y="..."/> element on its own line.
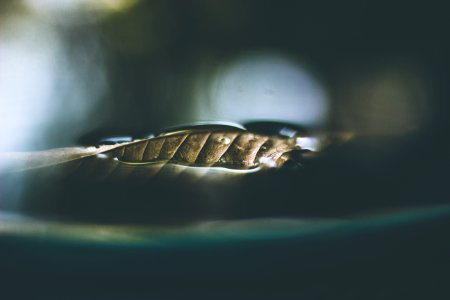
<point x="265" y="85"/>
<point x="77" y="11"/>
<point x="48" y="88"/>
<point x="387" y="99"/>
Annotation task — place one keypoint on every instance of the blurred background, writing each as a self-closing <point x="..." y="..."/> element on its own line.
<point x="376" y="68"/>
<point x="74" y="66"/>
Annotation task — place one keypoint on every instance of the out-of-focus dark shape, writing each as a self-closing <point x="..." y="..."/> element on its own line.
<point x="391" y="98"/>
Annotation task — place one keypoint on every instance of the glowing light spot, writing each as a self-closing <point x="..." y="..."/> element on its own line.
<point x="308" y="143"/>
<point x="102" y="156"/>
<point x="225" y="140"/>
<point x="263" y="86"/>
<point x="45" y="87"/>
<point x="267" y="161"/>
<point x="77" y="11"/>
